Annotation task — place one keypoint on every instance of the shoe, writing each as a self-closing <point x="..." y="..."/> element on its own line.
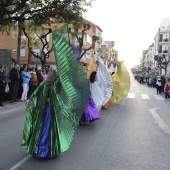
<point x="15" y="100"/>
<point x="2" y="105"/>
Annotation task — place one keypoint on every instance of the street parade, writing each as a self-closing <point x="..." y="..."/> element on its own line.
<point x="84" y="85"/>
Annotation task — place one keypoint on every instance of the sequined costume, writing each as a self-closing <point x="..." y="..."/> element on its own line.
<point x="121" y="84"/>
<point x="101" y="89"/>
<point x="90" y="113"/>
<point x="50" y="127"/>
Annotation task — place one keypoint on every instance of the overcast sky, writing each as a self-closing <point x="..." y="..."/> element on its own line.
<point x="132" y="24"/>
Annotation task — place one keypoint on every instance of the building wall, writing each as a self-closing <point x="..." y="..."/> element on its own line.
<point x="10" y="42"/>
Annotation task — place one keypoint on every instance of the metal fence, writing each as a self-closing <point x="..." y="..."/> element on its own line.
<point x="6" y="60"/>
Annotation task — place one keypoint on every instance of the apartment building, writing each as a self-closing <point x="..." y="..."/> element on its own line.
<point x="9" y="44"/>
<point x="160" y="47"/>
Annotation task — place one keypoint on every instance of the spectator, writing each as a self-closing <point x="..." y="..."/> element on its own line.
<point x="163" y="81"/>
<point x="33" y="81"/>
<point x="2" y="83"/>
<point x="14" y="76"/>
<point x="150" y="81"/>
<point x="44" y="74"/>
<point x="154" y="82"/>
<point x="25" y="83"/>
<point x="158" y="85"/>
<point x="47" y="68"/>
<point x="39" y="76"/>
<point x="29" y="67"/>
<point x="167" y="89"/>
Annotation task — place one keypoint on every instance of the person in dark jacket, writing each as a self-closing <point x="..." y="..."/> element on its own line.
<point x="2" y="83"/>
<point x="14" y="76"/>
<point x="39" y="76"/>
<point x="163" y="81"/>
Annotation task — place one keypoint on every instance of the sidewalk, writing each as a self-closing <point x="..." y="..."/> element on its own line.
<point x="8" y="105"/>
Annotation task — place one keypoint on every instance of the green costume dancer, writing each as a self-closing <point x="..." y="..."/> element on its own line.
<point x="50" y="125"/>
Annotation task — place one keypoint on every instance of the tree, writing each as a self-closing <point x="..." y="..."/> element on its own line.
<point x="33" y="41"/>
<point x="45" y="50"/>
<point x="39" y="12"/>
<point x="80" y="39"/>
<point x="162" y="62"/>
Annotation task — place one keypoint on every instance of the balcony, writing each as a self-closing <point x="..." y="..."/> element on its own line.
<point x="163" y="40"/>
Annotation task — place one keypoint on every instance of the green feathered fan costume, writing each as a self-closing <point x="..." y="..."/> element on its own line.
<point x="68" y="98"/>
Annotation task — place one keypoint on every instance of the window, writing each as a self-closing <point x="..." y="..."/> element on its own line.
<point x="14" y="51"/>
<point x="37" y="51"/>
<point x="14" y="36"/>
<point x="22" y="52"/>
<point x="36" y="36"/>
<point x="23" y="37"/>
<point x="89" y="39"/>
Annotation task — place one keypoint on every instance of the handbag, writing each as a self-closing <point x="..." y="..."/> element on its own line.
<point x="34" y="83"/>
<point x="7" y="90"/>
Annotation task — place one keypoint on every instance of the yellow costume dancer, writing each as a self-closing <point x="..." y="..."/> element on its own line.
<point x="121" y="85"/>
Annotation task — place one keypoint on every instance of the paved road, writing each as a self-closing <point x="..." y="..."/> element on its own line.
<point x="131" y="135"/>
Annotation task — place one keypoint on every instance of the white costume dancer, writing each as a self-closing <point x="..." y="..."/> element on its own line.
<point x="101" y="88"/>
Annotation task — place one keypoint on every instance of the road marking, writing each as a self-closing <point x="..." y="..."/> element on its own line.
<point x="8" y="111"/>
<point x="164" y="127"/>
<point x="145" y="96"/>
<point x="131" y="95"/>
<point x="159" y="97"/>
<point x="20" y="163"/>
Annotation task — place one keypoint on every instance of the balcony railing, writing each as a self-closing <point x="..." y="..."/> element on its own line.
<point x="163" y="51"/>
<point x="163" y="40"/>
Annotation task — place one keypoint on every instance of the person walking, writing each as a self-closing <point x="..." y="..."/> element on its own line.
<point x="2" y="83"/>
<point x="14" y="76"/>
<point x="25" y="83"/>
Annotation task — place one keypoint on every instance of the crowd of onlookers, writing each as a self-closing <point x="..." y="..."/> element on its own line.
<point x="22" y="81"/>
<point x="161" y="83"/>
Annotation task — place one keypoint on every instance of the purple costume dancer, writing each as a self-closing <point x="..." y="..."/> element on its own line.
<point x="76" y="51"/>
<point x="90" y="113"/>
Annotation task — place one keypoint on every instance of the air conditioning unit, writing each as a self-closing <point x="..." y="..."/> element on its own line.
<point x="14" y="51"/>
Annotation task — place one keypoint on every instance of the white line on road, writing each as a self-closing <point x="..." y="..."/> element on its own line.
<point x="145" y="96"/>
<point x="159" y="97"/>
<point x="20" y="163"/>
<point x="164" y="127"/>
<point x="131" y="95"/>
<point x="8" y="111"/>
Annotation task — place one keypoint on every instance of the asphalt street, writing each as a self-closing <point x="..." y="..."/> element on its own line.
<point x="134" y="134"/>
